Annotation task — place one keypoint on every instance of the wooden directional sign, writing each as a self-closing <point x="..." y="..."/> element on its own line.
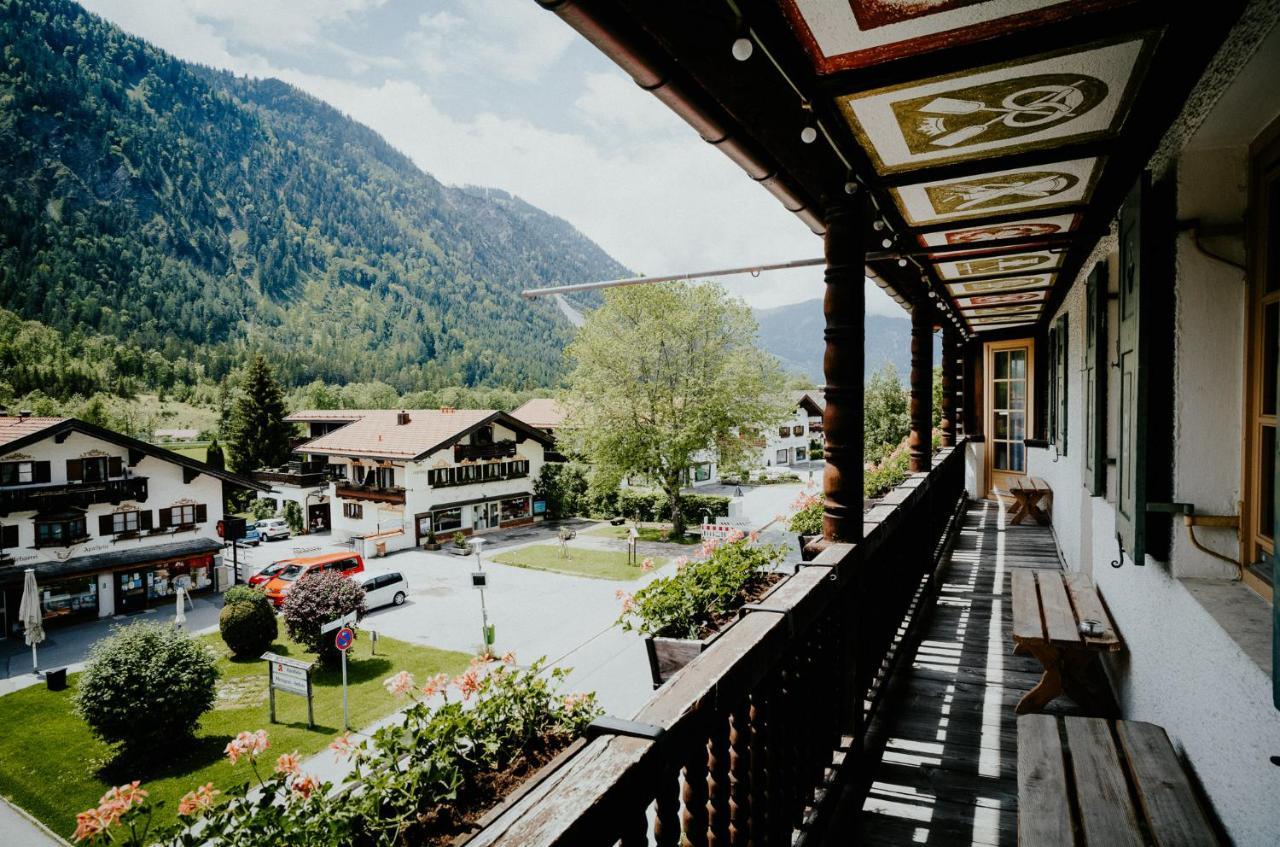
<point x="346" y="620"/>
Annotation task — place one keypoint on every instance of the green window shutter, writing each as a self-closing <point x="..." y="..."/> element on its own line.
<point x="1051" y="385"/>
<point x="1061" y="434"/>
<point x="1131" y="461"/>
<point x="1094" y="381"/>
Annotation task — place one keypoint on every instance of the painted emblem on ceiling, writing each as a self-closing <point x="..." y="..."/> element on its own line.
<point x="1021" y="263"/>
<point x="1007" y="283"/>
<point x="997" y="192"/>
<point x="991" y="327"/>
<point x="843" y="34"/>
<point x="1002" y="299"/>
<point x="1009" y="108"/>
<point x="1000" y="311"/>
<point x="1029" y="228"/>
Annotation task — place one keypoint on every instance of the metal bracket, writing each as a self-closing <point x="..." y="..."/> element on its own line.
<point x="748" y="608"/>
<point x="609" y="725"/>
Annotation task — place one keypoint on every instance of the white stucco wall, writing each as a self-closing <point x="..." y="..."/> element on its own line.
<point x="1197" y="657"/>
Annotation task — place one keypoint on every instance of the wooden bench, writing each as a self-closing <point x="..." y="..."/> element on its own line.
<point x="1027" y="495"/>
<point x="1091" y="781"/>
<point x="1048" y="606"/>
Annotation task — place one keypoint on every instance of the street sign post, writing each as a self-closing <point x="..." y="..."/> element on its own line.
<point x="479" y="580"/>
<point x="291" y="676"/>
<point x="342" y="641"/>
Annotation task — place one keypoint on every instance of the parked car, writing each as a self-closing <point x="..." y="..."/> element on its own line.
<point x="273" y="529"/>
<point x="387" y="589"/>
<point x="266" y="573"/>
<point x="279" y="586"/>
<point x="251" y="535"/>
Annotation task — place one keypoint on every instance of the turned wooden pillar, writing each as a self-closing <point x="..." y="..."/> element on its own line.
<point x="920" y="442"/>
<point x="844" y="308"/>
<point x="950" y="367"/>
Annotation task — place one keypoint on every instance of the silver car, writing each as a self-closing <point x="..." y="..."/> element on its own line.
<point x="387" y="589"/>
<point x="273" y="529"/>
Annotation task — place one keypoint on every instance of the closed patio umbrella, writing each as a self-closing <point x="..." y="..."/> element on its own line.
<point x="30" y="613"/>
<point x="180" y="619"/>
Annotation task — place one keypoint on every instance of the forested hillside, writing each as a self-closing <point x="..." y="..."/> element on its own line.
<point x="163" y="217"/>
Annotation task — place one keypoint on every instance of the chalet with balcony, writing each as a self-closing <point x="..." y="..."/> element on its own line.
<point x="788" y="443"/>
<point x="110" y="524"/>
<point x="1085" y="197"/>
<point x="400" y="477"/>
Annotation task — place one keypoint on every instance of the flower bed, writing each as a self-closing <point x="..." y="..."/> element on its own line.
<point x="680" y="614"/>
<point x="425" y="781"/>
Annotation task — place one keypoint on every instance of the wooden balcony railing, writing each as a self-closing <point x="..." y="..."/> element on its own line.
<point x="475" y="452"/>
<point x="377" y="493"/>
<point x="61" y="496"/>
<point x="302" y="474"/>
<point x="760" y="735"/>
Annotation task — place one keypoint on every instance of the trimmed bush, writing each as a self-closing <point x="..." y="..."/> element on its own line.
<point x="247" y="622"/>
<point x="316" y="599"/>
<point x="646" y="505"/>
<point x="146" y="686"/>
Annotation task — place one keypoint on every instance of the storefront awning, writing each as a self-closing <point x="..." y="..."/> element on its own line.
<point x="109" y="561"/>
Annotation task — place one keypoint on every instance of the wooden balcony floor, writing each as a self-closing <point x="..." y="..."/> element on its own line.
<point x="949" y="770"/>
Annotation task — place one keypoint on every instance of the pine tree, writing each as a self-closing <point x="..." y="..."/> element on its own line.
<point x="213" y="455"/>
<point x="259" y="435"/>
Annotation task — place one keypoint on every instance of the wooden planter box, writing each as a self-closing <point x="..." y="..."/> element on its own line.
<point x="460" y="551"/>
<point x="668" y="655"/>
<point x="561" y="759"/>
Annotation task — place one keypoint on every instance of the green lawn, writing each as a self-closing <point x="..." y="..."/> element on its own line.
<point x="648" y="532"/>
<point x="599" y="564"/>
<point x="195" y="450"/>
<point x="53" y="766"/>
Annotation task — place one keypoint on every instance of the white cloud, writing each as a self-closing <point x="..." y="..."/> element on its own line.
<point x="514" y="40"/>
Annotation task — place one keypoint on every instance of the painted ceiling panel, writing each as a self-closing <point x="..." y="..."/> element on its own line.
<point x="1004" y="325"/>
<point x="1048" y="225"/>
<point x="980" y="266"/>
<point x="1010" y="108"/>
<point x="841" y="34"/>
<point x="1009" y="283"/>
<point x="981" y="195"/>
<point x="1003" y="310"/>
<point x="1002" y="299"/>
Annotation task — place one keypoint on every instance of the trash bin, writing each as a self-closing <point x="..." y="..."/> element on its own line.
<point x="56" y="679"/>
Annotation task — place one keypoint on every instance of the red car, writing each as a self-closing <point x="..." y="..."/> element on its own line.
<point x="266" y="573"/>
<point x="279" y="585"/>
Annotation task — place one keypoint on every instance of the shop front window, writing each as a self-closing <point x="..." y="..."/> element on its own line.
<point x="448" y="520"/>
<point x="70" y="599"/>
<point x="515" y="509"/>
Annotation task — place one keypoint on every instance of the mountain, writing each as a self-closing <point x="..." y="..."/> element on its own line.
<point x="174" y="211"/>
<point x="793" y="333"/>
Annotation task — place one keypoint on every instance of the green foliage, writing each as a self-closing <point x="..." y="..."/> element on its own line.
<point x="661" y="373"/>
<point x="316" y="599"/>
<point x="163" y="213"/>
<point x="247" y="621"/>
<point x="259" y="437"/>
<point x="147" y="663"/>
<point x="885" y="407"/>
<point x="807" y="518"/>
<point x="214" y="456"/>
<point x="885" y="474"/>
<point x="687" y="604"/>
<point x="261" y="509"/>
<point x="293" y="516"/>
<point x="937" y="397"/>
<point x="419" y="777"/>
<point x="564" y="486"/>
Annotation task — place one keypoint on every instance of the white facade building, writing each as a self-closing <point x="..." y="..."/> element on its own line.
<point x="400" y="478"/>
<point x="110" y="524"/>
<point x="788" y="442"/>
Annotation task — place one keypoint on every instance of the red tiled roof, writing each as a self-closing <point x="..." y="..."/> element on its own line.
<point x="329" y="415"/>
<point x="13" y="427"/>
<point x="542" y="412"/>
<point x="377" y="434"/>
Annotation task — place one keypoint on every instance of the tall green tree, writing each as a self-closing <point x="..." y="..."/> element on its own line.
<point x="663" y="372"/>
<point x="886" y="419"/>
<point x="259" y="436"/>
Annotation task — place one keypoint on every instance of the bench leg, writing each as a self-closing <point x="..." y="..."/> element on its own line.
<point x="1084" y="681"/>
<point x="1018" y="512"/>
<point x="1050" y="684"/>
<point x="1033" y="509"/>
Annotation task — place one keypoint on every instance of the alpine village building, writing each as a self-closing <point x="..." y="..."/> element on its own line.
<point x="111" y="525"/>
<point x="1085" y="197"/>
<point x="395" y="479"/>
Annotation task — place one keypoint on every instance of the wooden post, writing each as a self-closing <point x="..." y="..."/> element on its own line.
<point x="950" y="353"/>
<point x="920" y="442"/>
<point x="844" y="308"/>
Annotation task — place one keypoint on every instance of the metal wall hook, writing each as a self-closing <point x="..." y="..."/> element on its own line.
<point x="1119" y="560"/>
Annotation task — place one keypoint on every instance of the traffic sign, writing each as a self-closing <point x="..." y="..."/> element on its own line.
<point x="344" y="638"/>
<point x="346" y="620"/>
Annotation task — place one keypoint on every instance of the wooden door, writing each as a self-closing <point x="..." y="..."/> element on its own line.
<point x="1008" y="366"/>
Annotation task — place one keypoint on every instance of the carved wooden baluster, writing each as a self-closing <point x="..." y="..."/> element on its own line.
<point x="758" y="746"/>
<point x="740" y="775"/>
<point x="796" y="730"/>
<point x="635" y="828"/>
<point x="666" y="823"/>
<point x="778" y="739"/>
<point x="718" y="781"/>
<point x="695" y="796"/>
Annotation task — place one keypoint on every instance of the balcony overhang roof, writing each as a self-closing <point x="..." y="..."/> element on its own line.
<point x="995" y="140"/>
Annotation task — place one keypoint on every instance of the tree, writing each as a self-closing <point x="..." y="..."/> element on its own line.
<point x="260" y="437"/>
<point x="663" y="372"/>
<point x="147" y="663"/>
<point x="213" y="455"/>
<point x="316" y="599"/>
<point x="884" y="405"/>
<point x="293" y="516"/>
<point x="247" y="621"/>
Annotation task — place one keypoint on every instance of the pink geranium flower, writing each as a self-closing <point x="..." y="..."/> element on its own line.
<point x="197" y="801"/>
<point x="302" y="786"/>
<point x="248" y="744"/>
<point x="437" y="684"/>
<point x="288" y="763"/>
<point x="400" y="684"/>
<point x="508" y="658"/>
<point x="646" y="565"/>
<point x="468" y="683"/>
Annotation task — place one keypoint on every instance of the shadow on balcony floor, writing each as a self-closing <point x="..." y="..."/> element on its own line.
<point x="949" y="771"/>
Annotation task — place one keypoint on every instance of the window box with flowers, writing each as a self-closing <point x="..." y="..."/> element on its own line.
<point x="806" y="522"/>
<point x="682" y="614"/>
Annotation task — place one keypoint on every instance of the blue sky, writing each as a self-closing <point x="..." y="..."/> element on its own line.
<point x="501" y="93"/>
